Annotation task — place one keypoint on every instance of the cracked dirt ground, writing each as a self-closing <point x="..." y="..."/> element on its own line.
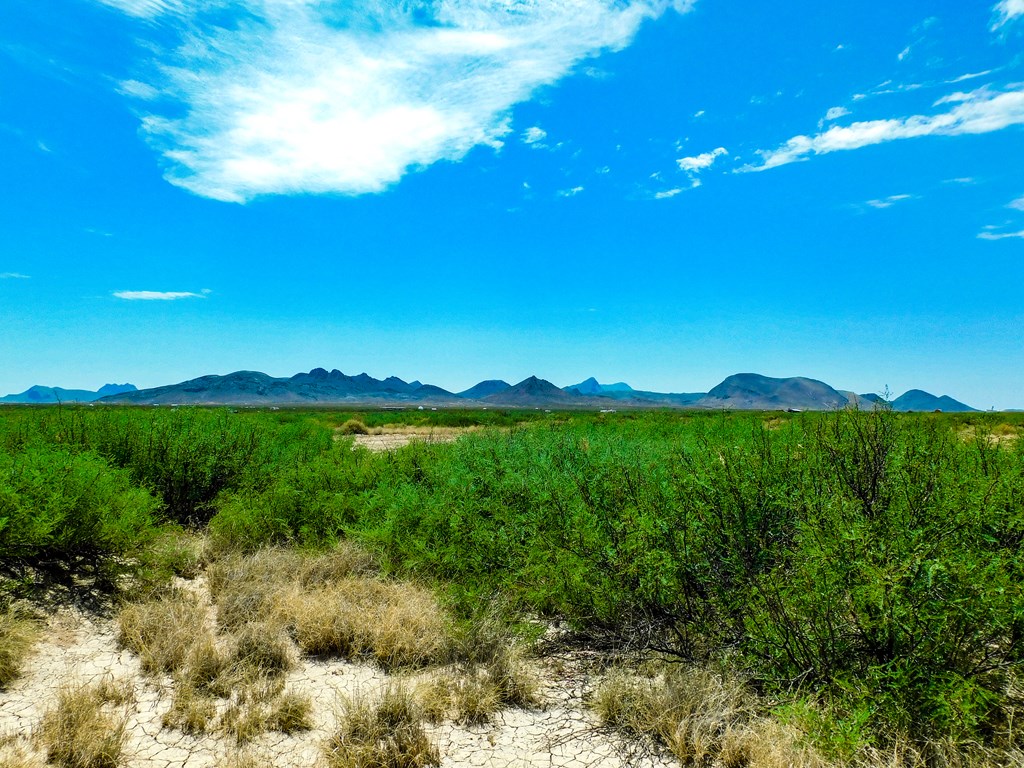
<point x="559" y="733"/>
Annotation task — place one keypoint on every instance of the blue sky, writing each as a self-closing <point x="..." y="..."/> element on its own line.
<point x="658" y="192"/>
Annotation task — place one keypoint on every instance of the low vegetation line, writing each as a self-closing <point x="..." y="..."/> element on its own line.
<point x="859" y="572"/>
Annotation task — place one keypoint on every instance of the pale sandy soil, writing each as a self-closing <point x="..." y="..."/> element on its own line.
<point x="80" y="647"/>
<point x="390" y="438"/>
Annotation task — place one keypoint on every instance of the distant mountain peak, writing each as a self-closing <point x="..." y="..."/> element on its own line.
<point x="919" y="400"/>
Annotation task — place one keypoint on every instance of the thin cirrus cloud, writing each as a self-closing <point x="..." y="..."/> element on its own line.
<point x="159" y="295"/>
<point x="979" y="111"/>
<point x="13" y="276"/>
<point x="307" y="96"/>
<point x="888" y="202"/>
<point x="988" y="235"/>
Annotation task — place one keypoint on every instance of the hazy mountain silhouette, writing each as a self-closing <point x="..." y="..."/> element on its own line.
<point x="485" y="388"/>
<point x="751" y="391"/>
<point x="919" y="400"/>
<point x="41" y="394"/>
<point x="741" y="391"/>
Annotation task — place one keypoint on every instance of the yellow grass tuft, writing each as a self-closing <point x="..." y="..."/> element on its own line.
<point x="387" y="733"/>
<point x="191" y="711"/>
<point x="687" y="710"/>
<point x="18" y="632"/>
<point x="164" y="630"/>
<point x="84" y="729"/>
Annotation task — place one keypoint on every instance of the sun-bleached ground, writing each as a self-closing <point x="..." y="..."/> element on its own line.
<point x="75" y="646"/>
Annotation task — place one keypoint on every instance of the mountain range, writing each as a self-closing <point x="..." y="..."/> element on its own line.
<point x="741" y="391"/>
<point x="40" y="394"/>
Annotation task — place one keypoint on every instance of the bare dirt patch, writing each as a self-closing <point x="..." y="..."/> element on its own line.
<point x="77" y="649"/>
<point x="390" y="438"/>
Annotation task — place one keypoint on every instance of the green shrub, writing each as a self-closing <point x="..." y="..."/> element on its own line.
<point x="70" y="509"/>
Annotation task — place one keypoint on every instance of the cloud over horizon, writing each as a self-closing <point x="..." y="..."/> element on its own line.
<point x="301" y="96"/>
<point x="158" y="295"/>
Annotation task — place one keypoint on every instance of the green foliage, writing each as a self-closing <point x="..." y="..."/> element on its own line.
<point x="61" y="508"/>
<point x="868" y="562"/>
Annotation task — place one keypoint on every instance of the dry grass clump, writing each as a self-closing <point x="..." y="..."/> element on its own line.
<point x="243" y="760"/>
<point x="250" y="716"/>
<point x="767" y="743"/>
<point x="687" y="710"/>
<point x="16" y="753"/>
<point x="85" y="729"/>
<point x="395" y="624"/>
<point x="387" y="733"/>
<point x="164" y="631"/>
<point x="353" y="427"/>
<point x="466" y="698"/>
<point x="18" y="632"/>
<point x="264" y="648"/>
<point x="332" y="604"/>
<point x="489" y="672"/>
<point x="191" y="711"/>
<point x="248" y="588"/>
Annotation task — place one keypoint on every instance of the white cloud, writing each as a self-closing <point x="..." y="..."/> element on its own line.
<point x="571" y="192"/>
<point x="888" y="202"/>
<point x="308" y="96"/>
<point x="668" y="193"/>
<point x="981" y="111"/>
<point x="961" y="180"/>
<point x="158" y="295"/>
<point x="146" y="9"/>
<point x="903" y="54"/>
<point x="835" y="113"/>
<point x="702" y="161"/>
<point x="534" y="135"/>
<point x="1017" y="205"/>
<point x="699" y="113"/>
<point x="999" y="235"/>
<point x="693" y="166"/>
<point x="1007" y="10"/>
<point x="13" y="276"/>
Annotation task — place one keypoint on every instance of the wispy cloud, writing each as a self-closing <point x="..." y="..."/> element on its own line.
<point x="159" y="295"/>
<point x="835" y="113"/>
<point x="888" y="202"/>
<point x="980" y="111"/>
<point x="570" y="192"/>
<point x="147" y="9"/>
<point x="1006" y="11"/>
<point x="300" y="96"/>
<point x="13" y="276"/>
<point x="989" y="235"/>
<point x="666" y="194"/>
<point x="1017" y="205"/>
<point x="693" y="166"/>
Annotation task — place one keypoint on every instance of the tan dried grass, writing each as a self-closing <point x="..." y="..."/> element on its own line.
<point x="164" y="631"/>
<point x="687" y="710"/>
<point x="84" y="729"/>
<point x="386" y="733"/>
<point x="395" y="624"/>
<point x="18" y="633"/>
